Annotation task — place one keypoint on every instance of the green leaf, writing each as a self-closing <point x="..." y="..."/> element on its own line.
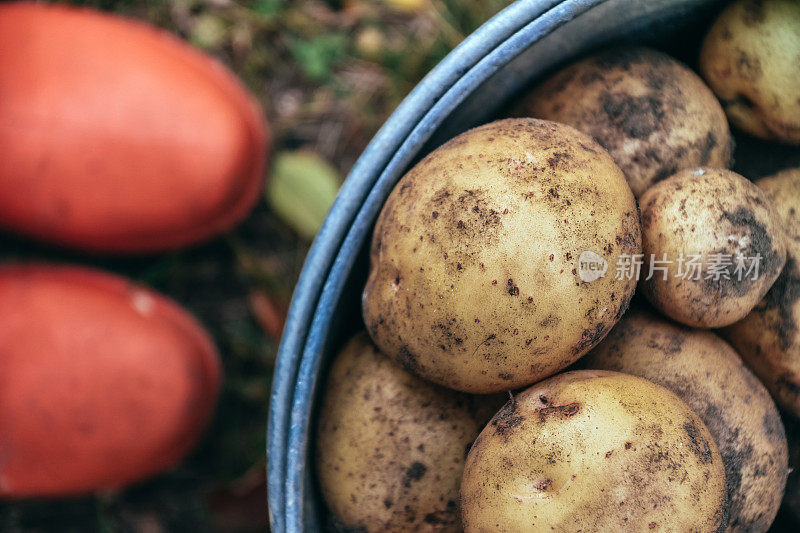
<point x="319" y="56"/>
<point x="301" y="190"/>
<point x="267" y="7"/>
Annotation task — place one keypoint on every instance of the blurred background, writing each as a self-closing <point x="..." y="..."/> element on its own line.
<point x="328" y="73"/>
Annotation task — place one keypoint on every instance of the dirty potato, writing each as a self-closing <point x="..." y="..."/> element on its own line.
<point x="594" y="451"/>
<point x="705" y="372"/>
<point x="391" y="447"/>
<point x="474" y="279"/>
<point x="713" y="246"/>
<point x="653" y="114"/>
<point x="751" y="58"/>
<point x="768" y="339"/>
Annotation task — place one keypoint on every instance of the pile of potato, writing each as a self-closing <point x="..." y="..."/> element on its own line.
<point x="512" y="253"/>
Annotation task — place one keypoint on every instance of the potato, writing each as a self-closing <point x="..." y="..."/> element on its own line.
<point x="478" y="261"/>
<point x="750" y="58"/>
<point x="653" y="114"/>
<point x="103" y="382"/>
<point x="705" y="372"/>
<point x="391" y="447"/>
<point x="768" y="339"/>
<point x="594" y="451"/>
<point x="117" y="137"/>
<point x="713" y="246"/>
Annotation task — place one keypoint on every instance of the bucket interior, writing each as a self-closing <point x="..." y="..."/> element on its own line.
<point x="651" y="22"/>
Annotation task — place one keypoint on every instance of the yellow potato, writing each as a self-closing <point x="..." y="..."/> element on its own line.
<point x="391" y="447"/>
<point x="707" y="374"/>
<point x="751" y="58"/>
<point x="594" y="451"/>
<point x="713" y="246"/>
<point x="768" y="339"/>
<point x="478" y="272"/>
<point x="653" y="114"/>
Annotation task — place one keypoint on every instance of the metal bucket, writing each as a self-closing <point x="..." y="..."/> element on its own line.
<point x="469" y="87"/>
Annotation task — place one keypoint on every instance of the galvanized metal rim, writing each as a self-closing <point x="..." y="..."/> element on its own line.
<point x="359" y="183"/>
<point x="297" y="447"/>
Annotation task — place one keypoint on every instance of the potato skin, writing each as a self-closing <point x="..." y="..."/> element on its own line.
<point x="707" y="374"/>
<point x="591" y="450"/>
<point x="117" y="137"/>
<point x="390" y="446"/>
<point x="104" y="382"/>
<point x="768" y="339"/>
<point x="474" y="282"/>
<point x="708" y="211"/>
<point x="653" y="114"/>
<point x="750" y="59"/>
